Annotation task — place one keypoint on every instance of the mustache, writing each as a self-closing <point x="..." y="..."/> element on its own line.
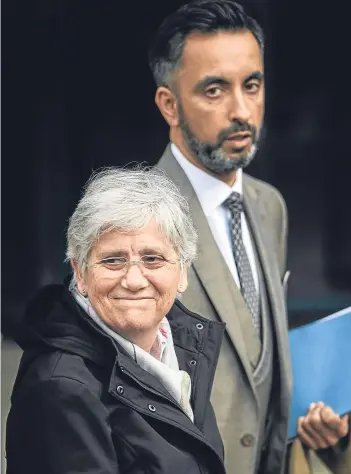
<point x="237" y="127"/>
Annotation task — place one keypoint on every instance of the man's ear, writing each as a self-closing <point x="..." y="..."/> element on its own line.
<point x="81" y="286"/>
<point x="166" y="101"/>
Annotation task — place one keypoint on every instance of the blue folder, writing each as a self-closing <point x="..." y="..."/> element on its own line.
<point x="321" y="362"/>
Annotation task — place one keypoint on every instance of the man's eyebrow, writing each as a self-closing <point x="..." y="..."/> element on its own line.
<point x="208" y="80"/>
<point x="255" y="75"/>
<point x="220" y="80"/>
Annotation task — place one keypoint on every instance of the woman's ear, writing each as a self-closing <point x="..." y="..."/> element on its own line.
<point x="166" y="101"/>
<point x="81" y="286"/>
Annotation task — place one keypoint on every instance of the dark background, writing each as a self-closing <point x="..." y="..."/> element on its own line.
<point x="77" y="94"/>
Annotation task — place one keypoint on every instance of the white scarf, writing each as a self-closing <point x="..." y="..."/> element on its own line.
<point x="162" y="360"/>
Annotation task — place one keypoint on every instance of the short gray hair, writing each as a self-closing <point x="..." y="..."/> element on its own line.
<point x="126" y="199"/>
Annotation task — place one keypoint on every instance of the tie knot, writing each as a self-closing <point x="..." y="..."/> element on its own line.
<point x="234" y="202"/>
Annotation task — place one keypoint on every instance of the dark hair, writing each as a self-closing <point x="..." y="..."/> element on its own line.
<point x="204" y="16"/>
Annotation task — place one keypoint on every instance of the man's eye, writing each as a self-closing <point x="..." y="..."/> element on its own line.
<point x="213" y="92"/>
<point x="252" y="86"/>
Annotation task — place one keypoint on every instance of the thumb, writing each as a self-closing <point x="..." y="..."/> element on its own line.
<point x="344" y="429"/>
<point x="345" y="420"/>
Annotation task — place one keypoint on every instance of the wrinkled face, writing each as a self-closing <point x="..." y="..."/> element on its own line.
<point x="136" y="298"/>
<point x="221" y="98"/>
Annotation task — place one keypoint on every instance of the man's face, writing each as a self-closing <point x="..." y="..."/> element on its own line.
<point x="221" y="99"/>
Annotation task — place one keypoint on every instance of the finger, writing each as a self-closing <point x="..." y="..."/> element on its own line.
<point x="313" y="421"/>
<point x="311" y="428"/>
<point x="330" y="418"/>
<point x="338" y="426"/>
<point x="314" y="407"/>
<point x="345" y="419"/>
<point x="304" y="436"/>
<point x="346" y="424"/>
<point x="318" y="406"/>
<point x="315" y="428"/>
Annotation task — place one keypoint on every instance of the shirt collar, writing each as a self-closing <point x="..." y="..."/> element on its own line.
<point x="210" y="191"/>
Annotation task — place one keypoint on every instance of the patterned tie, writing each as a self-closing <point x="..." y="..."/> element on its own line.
<point x="235" y="205"/>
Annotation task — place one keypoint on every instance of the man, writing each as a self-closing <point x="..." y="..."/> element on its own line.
<point x="207" y="61"/>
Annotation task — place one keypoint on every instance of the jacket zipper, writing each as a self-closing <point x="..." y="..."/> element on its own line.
<point x="191" y="433"/>
<point x="147" y="387"/>
<point x="150" y="389"/>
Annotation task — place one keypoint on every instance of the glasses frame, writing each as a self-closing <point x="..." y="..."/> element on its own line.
<point x="128" y="263"/>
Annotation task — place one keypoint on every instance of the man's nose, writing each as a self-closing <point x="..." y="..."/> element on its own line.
<point x="239" y="108"/>
<point x="133" y="278"/>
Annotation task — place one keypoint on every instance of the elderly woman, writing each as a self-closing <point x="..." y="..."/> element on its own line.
<point x="116" y="373"/>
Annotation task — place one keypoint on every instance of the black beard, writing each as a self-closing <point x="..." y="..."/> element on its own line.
<point x="211" y="155"/>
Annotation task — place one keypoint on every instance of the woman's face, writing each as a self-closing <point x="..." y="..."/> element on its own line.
<point x="136" y="298"/>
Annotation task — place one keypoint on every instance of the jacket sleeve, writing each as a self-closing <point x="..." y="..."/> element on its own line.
<point x="59" y="427"/>
<point x="338" y="458"/>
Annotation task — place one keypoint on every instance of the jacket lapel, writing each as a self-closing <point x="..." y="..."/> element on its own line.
<point x="256" y="215"/>
<point x="219" y="282"/>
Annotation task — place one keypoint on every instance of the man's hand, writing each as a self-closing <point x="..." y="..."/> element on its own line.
<point x="321" y="427"/>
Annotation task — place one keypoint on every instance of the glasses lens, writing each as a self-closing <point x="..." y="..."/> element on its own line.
<point x="114" y="263"/>
<point x="152" y="262"/>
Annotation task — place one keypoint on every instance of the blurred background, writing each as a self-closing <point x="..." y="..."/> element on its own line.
<point x="78" y="95"/>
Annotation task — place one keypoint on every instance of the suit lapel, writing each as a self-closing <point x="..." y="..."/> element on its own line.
<point x="219" y="282"/>
<point x="256" y="215"/>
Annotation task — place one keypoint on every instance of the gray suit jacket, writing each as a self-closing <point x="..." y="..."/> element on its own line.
<point x="213" y="293"/>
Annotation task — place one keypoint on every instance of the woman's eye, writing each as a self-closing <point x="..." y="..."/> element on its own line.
<point x="114" y="261"/>
<point x="152" y="259"/>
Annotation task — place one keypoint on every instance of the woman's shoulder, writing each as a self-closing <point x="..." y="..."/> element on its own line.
<point x="54" y="368"/>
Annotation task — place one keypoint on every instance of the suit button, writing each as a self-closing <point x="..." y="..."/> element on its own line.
<point x="247" y="440"/>
<point x="120" y="389"/>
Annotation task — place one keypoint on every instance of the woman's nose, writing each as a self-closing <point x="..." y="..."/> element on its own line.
<point x="133" y="278"/>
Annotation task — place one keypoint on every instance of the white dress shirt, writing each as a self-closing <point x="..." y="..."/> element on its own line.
<point x="211" y="193"/>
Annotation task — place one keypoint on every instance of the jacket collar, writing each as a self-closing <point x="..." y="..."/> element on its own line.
<point x="54" y="319"/>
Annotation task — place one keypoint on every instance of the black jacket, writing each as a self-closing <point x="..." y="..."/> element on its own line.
<point x="80" y="404"/>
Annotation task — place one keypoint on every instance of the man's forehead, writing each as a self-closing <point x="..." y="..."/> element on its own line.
<point x="219" y="47"/>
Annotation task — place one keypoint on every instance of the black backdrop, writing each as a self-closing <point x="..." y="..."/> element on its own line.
<point x="77" y="95"/>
